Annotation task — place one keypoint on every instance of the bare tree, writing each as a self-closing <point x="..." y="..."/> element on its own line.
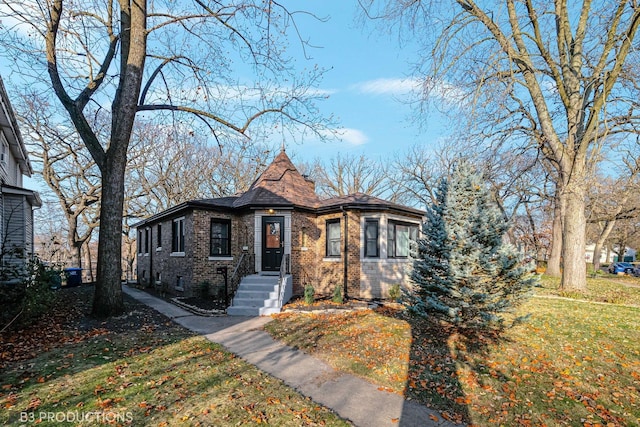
<point x="50" y="239"/>
<point x="132" y="56"/>
<point x="167" y="168"/>
<point x="350" y="174"/>
<point x="514" y="178"/>
<point x="623" y="236"/>
<point x="555" y="74"/>
<point x="67" y="168"/>
<point x="532" y="231"/>
<point x="610" y="201"/>
<point x="417" y="173"/>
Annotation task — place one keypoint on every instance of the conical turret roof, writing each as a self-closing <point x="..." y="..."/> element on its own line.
<point x="280" y="185"/>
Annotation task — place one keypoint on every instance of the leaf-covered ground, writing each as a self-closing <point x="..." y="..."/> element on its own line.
<point x="574" y="363"/>
<point x="138" y="369"/>
<point x="605" y="288"/>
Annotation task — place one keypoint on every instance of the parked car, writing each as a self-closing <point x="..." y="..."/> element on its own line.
<point x="621" y="267"/>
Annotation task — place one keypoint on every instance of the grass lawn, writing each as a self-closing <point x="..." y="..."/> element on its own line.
<point x="139" y="369"/>
<point x="603" y="288"/>
<point x="574" y="363"/>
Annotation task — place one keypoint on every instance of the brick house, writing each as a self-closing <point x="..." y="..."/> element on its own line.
<point x="357" y="239"/>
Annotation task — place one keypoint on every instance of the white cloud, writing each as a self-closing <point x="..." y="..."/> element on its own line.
<point x="385" y="86"/>
<point x="413" y="88"/>
<point x="353" y="136"/>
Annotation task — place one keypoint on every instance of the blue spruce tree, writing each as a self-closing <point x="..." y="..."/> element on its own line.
<point x="464" y="273"/>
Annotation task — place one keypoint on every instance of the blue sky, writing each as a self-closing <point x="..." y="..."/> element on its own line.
<point x="368" y="80"/>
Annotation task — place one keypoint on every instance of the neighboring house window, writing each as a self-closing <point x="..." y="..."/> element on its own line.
<point x="333" y="238"/>
<point x="159" y="237"/>
<point x="4" y="153"/>
<point x="139" y="241"/>
<point x="146" y="240"/>
<point x="220" y="237"/>
<point x="177" y="235"/>
<point x="399" y="236"/>
<point x="371" y="249"/>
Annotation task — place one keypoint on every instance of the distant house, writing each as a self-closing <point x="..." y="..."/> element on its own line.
<point x="16" y="202"/>
<point x="358" y="239"/>
<point x="608" y="256"/>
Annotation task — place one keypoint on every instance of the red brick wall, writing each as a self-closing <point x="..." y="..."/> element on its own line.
<point x="327" y="273"/>
<point x="308" y="261"/>
<point x="304" y="252"/>
<point x="195" y="266"/>
<point x="160" y="261"/>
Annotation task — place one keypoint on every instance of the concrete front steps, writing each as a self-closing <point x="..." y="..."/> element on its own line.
<point x="257" y="295"/>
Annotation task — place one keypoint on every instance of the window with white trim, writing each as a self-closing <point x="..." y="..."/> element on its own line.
<point x="399" y="238"/>
<point x="4" y="153"/>
<point x="147" y="232"/>
<point x="220" y="237"/>
<point x="371" y="233"/>
<point x="333" y="238"/>
<point x="177" y="235"/>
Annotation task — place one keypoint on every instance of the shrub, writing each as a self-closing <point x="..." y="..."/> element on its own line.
<point x="394" y="293"/>
<point x="337" y="295"/>
<point x="309" y="294"/>
<point x="38" y="293"/>
<point x="33" y="293"/>
<point x="201" y="290"/>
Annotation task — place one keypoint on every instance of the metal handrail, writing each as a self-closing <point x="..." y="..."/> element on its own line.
<point x="284" y="270"/>
<point x="235" y="270"/>
<point x="239" y="272"/>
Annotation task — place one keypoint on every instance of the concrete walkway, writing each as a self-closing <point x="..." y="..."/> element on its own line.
<point x="350" y="397"/>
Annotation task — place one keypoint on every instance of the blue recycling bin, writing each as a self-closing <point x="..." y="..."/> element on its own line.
<point x="74" y="276"/>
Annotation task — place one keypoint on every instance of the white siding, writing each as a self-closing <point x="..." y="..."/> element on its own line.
<point x="14" y="227"/>
<point x="377" y="275"/>
<point x="5" y="158"/>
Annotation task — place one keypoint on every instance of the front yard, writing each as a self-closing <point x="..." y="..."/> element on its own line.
<point x="138" y="369"/>
<point x="574" y="363"/>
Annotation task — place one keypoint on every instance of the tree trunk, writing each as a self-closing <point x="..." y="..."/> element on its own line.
<point x="597" y="253"/>
<point x="107" y="300"/>
<point x="622" y="248"/>
<point x="555" y="255"/>
<point x="534" y="233"/>
<point x="574" y="274"/>
<point x="88" y="261"/>
<point x="76" y="255"/>
<point x="597" y="250"/>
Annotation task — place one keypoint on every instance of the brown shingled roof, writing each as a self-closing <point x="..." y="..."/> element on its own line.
<point x="365" y="201"/>
<point x="280" y="185"/>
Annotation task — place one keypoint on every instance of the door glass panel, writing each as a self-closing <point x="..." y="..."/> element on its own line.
<point x="273" y="235"/>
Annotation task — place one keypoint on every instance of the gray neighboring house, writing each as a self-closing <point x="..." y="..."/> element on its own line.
<point x="16" y="202"/>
